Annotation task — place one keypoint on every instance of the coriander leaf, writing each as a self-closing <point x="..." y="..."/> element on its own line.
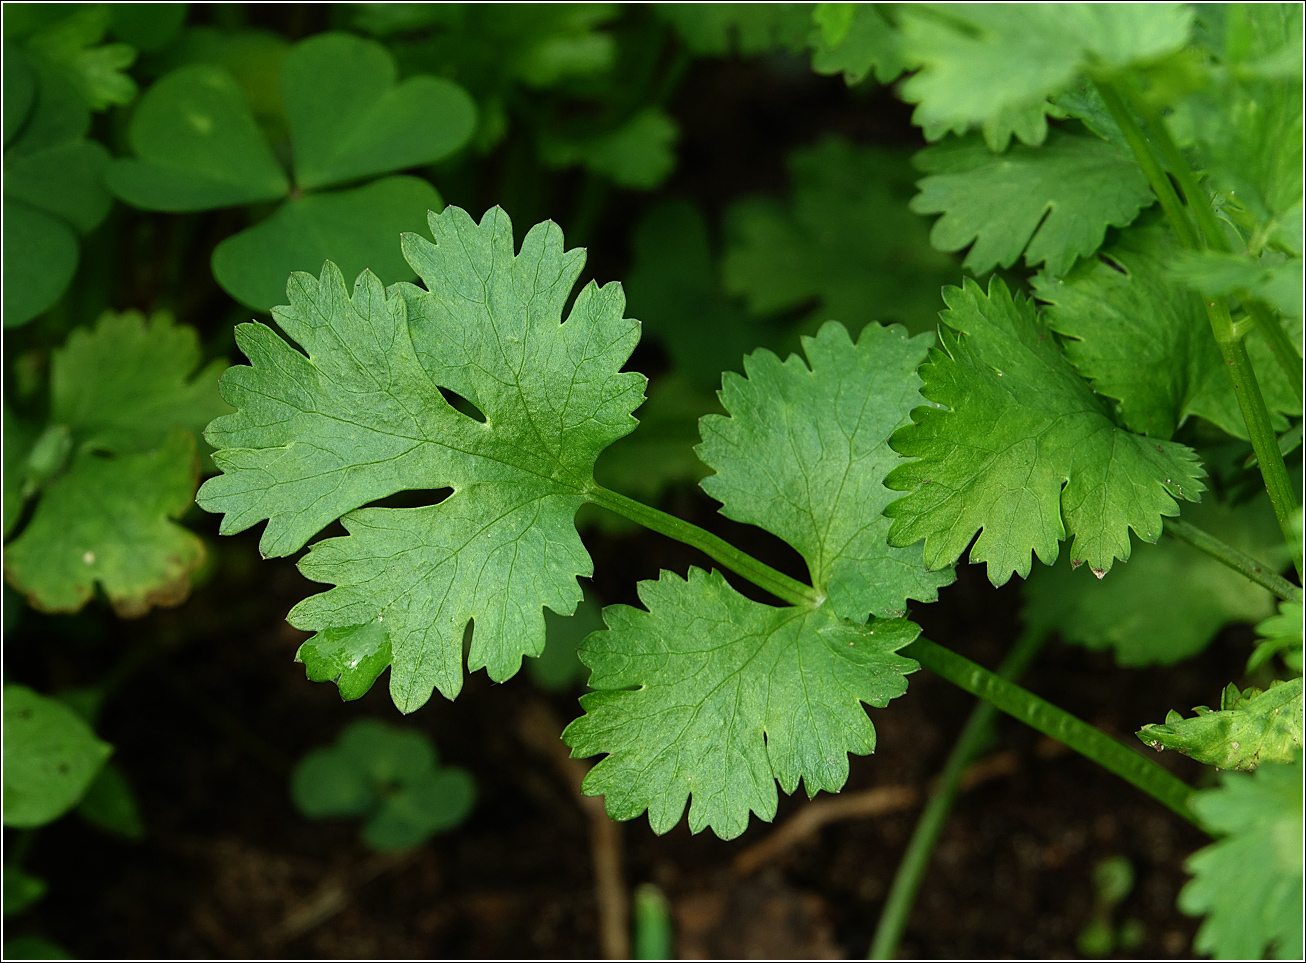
<point x="639" y="153"/>
<point x="1144" y="339"/>
<point x="821" y="246"/>
<point x="804" y="454"/>
<point x="349" y="119"/>
<point x="362" y="417"/>
<point x="1017" y="447"/>
<point x="711" y="697"/>
<point x="1251" y="727"/>
<point x="350" y="656"/>
<point x="863" y="42"/>
<point x="1282" y="635"/>
<point x="1053" y="202"/>
<point x="355" y="228"/>
<point x="197" y="147"/>
<point x="749" y="29"/>
<point x="110" y="520"/>
<point x="40" y="258"/>
<point x="1170" y="600"/>
<point x="1249" y="883"/>
<point x="51" y="757"/>
<point x="980" y="61"/>
<point x="124" y="385"/>
<point x="73" y="42"/>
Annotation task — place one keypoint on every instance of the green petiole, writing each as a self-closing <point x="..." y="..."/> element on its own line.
<point x="1043" y="716"/>
<point x="1230" y="556"/>
<point x="718" y="549"/>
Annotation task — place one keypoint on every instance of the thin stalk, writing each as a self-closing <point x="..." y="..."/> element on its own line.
<point x="975" y="736"/>
<point x="1236" y="560"/>
<point x="764" y="576"/>
<point x="1156" y="176"/>
<point x="1265" y="442"/>
<point x="1246" y="389"/>
<point x="1043" y="716"/>
<point x="1281" y="346"/>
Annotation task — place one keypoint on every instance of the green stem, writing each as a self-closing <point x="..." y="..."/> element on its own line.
<point x="1285" y="353"/>
<point x="1265" y="442"/>
<point x="1246" y="389"/>
<point x="1236" y="560"/>
<point x="1156" y="176"/>
<point x="1043" y="716"/>
<point x="975" y="736"/>
<point x="718" y="549"/>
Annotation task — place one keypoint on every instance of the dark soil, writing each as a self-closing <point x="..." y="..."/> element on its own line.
<point x="214" y="713"/>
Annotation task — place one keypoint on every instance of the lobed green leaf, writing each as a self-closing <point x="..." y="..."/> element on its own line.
<point x="1251" y="727"/>
<point x="1017" y="448"/>
<point x="362" y="416"/>
<point x="709" y="697"/>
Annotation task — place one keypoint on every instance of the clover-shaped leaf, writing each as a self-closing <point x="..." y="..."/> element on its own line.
<point x="389" y="776"/>
<point x="198" y="145"/>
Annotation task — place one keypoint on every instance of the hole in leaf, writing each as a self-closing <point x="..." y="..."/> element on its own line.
<point x="459" y="403"/>
<point x="419" y="498"/>
<point x="1112" y="263"/>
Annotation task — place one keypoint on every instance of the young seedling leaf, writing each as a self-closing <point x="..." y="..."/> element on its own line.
<point x="110" y="804"/>
<point x="845" y="241"/>
<point x="1017" y="448"/>
<point x="710" y="697"/>
<point x="979" y="62"/>
<point x="351" y="656"/>
<point x="1144" y="339"/>
<point x="21" y="890"/>
<point x="1053" y="202"/>
<point x="1169" y="602"/>
<point x="804" y="455"/>
<point x="362" y="417"/>
<point x="1248" y="883"/>
<point x="355" y="228"/>
<point x="197" y="147"/>
<point x="350" y="119"/>
<point x="1250" y="728"/>
<point x="388" y="775"/>
<point x="110" y="520"/>
<point x="50" y="758"/>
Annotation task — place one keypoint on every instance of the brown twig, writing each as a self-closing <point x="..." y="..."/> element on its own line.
<point x="540" y="729"/>
<point x="332" y="896"/>
<point x="858" y="805"/>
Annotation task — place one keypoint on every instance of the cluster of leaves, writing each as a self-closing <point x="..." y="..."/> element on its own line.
<point x="1073" y="391"/>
